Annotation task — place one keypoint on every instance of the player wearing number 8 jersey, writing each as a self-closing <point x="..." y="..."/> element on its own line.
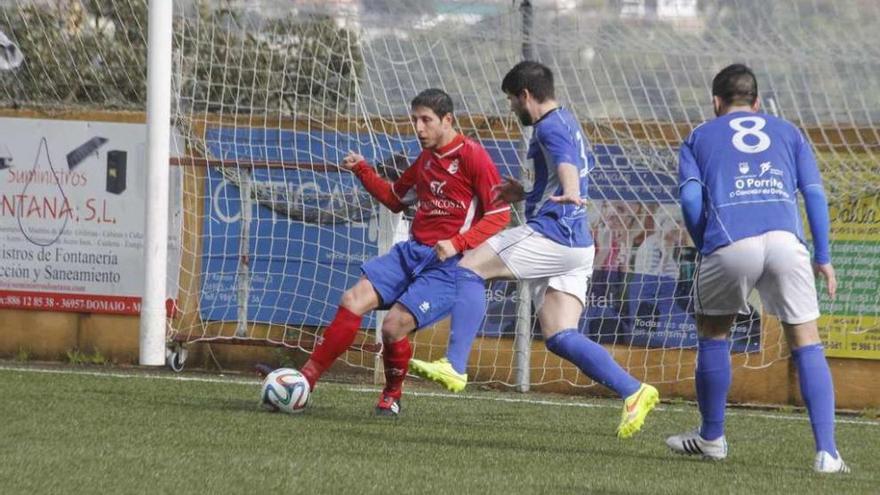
<point x="739" y="176"/>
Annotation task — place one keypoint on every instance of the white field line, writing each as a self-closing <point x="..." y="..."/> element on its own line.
<point x="541" y="402"/>
<point x="800" y="417"/>
<point x="133" y="374"/>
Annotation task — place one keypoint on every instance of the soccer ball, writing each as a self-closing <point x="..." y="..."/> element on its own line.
<point x="285" y="390"/>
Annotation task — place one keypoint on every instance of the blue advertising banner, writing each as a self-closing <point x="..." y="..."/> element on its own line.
<point x="300" y="256"/>
<point x="311" y="229"/>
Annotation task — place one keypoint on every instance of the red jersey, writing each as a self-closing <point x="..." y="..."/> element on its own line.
<point x="453" y="188"/>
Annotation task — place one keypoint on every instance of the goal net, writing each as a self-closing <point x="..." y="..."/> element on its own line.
<point x="270" y="95"/>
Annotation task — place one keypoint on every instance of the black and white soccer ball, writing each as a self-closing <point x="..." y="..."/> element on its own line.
<point x="285" y="390"/>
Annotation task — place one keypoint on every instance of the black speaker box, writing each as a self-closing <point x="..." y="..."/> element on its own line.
<point x="116" y="164"/>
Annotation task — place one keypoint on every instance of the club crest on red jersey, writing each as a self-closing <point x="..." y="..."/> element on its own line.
<point x="437" y="187"/>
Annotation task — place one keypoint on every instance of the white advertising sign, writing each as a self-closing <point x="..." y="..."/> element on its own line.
<point x="72" y="196"/>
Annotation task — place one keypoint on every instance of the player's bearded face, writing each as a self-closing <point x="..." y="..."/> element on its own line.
<point x="518" y="106"/>
<point x="430" y="128"/>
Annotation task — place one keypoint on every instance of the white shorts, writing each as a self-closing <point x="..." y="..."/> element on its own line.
<point x="544" y="263"/>
<point x="776" y="263"/>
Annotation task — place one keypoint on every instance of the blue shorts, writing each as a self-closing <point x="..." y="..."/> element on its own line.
<point x="411" y="275"/>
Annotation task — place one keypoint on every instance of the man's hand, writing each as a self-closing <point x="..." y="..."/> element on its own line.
<point x="568" y="199"/>
<point x="351" y="160"/>
<point x="445" y="250"/>
<point x="827" y="271"/>
<point x="509" y="191"/>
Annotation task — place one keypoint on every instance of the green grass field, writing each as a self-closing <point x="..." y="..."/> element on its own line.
<point x="97" y="430"/>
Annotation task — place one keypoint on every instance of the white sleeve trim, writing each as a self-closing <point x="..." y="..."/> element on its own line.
<point x="815" y="184"/>
<point x="499" y="210"/>
<point x="691" y="179"/>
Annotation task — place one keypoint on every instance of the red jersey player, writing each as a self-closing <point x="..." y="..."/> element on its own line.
<point x="452" y="183"/>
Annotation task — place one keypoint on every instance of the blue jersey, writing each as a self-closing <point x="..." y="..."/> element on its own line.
<point x="558" y="139"/>
<point x="751" y="166"/>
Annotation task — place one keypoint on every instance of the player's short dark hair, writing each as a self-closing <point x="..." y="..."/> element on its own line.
<point x="532" y="76"/>
<point x="736" y="85"/>
<point x="435" y="99"/>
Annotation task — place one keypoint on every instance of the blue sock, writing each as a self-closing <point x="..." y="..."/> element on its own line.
<point x="712" y="378"/>
<point x="467" y="316"/>
<point x="593" y="360"/>
<point x="818" y="392"/>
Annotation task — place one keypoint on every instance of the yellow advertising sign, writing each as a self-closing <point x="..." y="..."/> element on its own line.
<point x="849" y="323"/>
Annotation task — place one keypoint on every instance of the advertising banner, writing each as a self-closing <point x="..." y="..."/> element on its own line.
<point x="72" y="199"/>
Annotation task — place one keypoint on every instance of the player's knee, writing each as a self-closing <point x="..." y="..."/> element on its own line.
<point x="714" y="327"/>
<point x="351" y="301"/>
<point x="397" y="325"/>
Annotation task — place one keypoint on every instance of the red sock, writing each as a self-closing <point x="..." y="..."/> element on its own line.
<point x="396" y="356"/>
<point x="337" y="338"/>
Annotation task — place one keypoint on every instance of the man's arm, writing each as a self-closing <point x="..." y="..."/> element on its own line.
<point x="496" y="216"/>
<point x="692" y="210"/>
<point x="563" y="152"/>
<point x="491" y="223"/>
<point x="488" y="226"/>
<point x="816" y="204"/>
<point x="496" y="213"/>
<point x="819" y="219"/>
<point x="378" y="187"/>
<point x="809" y="182"/>
<point x="571" y="185"/>
<point x="691" y="193"/>
<point x="509" y="190"/>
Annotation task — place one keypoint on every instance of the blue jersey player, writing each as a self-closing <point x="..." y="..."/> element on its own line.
<point x="739" y="177"/>
<point x="553" y="250"/>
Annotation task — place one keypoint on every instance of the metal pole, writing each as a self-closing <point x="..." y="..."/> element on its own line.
<point x="245" y="189"/>
<point x="525" y="8"/>
<point x="153" y="313"/>
<point x="522" y="342"/>
<point x="387" y="227"/>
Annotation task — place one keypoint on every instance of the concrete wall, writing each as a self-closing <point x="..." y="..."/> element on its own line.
<point x="49" y="336"/>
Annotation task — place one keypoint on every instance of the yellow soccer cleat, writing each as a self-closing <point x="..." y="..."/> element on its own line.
<point x="635" y="408"/>
<point x="439" y="371"/>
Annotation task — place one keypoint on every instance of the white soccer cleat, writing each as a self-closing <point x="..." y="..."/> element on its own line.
<point x="691" y="443"/>
<point x="826" y="463"/>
